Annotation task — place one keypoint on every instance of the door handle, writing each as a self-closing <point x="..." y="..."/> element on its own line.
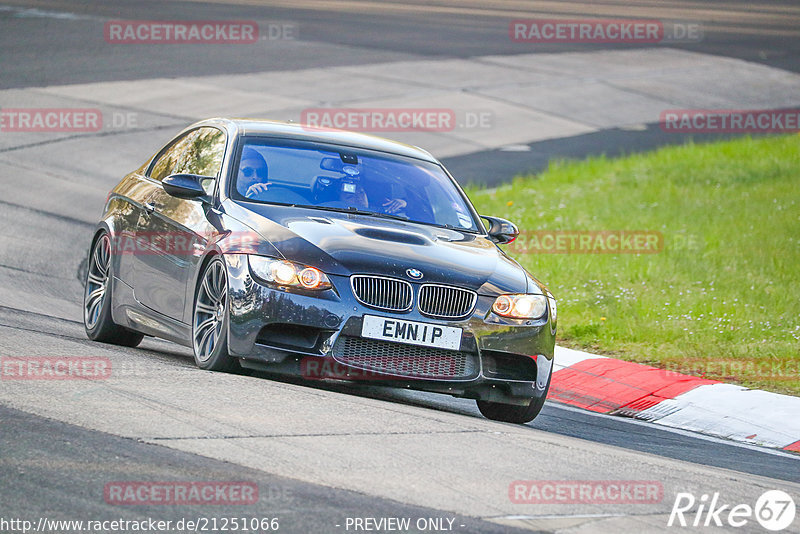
<point x="149" y="207"/>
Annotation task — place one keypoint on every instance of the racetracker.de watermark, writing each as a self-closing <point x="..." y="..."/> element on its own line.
<point x="442" y="367"/>
<point x="181" y="32"/>
<point x="55" y="120"/>
<point x="395" y="119"/>
<point x="182" y="243"/>
<point x="50" y="120"/>
<point x="54" y="368"/>
<point x="585" y="492"/>
<point x="180" y="493"/>
<point x="586" y="31"/>
<point x="588" y="242"/>
<point x="730" y="368"/>
<point x="730" y="121"/>
<point x="380" y="119"/>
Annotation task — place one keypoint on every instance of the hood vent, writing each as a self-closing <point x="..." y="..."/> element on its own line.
<point x="388" y="235"/>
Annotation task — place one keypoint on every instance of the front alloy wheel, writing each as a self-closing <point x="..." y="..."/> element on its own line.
<point x="511" y="413"/>
<point x="209" y="328"/>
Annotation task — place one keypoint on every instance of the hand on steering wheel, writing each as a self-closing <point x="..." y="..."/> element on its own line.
<point x="394" y="206"/>
<point x="257" y="189"/>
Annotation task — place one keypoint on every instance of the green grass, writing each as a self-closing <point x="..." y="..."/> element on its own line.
<point x="722" y="299"/>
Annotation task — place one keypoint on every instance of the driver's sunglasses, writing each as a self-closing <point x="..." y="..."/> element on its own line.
<point x="249" y="172"/>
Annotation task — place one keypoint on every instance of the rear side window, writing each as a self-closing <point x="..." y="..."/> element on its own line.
<point x="198" y="152"/>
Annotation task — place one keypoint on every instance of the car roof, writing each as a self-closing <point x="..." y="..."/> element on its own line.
<point x="292" y="130"/>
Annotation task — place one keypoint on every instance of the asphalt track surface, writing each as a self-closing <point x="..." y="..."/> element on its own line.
<point x="36" y="53"/>
<point x="319" y="453"/>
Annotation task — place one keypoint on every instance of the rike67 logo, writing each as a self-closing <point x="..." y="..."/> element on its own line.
<point x="774" y="510"/>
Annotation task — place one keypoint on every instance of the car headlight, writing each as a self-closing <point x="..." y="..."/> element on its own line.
<point x="553" y="308"/>
<point x="520" y="306"/>
<point x="287" y="273"/>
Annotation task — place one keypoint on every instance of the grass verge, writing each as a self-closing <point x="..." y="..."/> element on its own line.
<point x="719" y="298"/>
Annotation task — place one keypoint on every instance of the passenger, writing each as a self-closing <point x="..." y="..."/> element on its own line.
<point x="390" y="202"/>
<point x="353" y="195"/>
<point x="393" y="206"/>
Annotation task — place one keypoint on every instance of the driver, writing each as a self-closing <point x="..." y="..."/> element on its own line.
<point x="253" y="173"/>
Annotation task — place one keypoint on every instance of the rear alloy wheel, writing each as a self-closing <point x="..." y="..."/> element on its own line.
<point x="97" y="318"/>
<point x="511" y="413"/>
<point x="209" y="327"/>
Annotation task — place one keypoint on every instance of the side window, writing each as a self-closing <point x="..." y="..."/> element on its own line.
<point x="166" y="161"/>
<point x="198" y="152"/>
<point x="202" y="155"/>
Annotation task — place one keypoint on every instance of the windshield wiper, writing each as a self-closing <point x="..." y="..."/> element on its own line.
<point x="456" y="228"/>
<point x="356" y="211"/>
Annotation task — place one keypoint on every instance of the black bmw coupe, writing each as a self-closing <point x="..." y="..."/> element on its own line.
<point x="327" y="254"/>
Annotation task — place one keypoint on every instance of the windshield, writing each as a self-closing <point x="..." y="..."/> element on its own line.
<point x="344" y="179"/>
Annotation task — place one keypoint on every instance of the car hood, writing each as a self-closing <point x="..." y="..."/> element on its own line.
<point x="345" y="244"/>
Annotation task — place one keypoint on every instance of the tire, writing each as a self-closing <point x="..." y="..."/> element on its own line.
<point x="511" y="413"/>
<point x="97" y="299"/>
<point x="210" y="319"/>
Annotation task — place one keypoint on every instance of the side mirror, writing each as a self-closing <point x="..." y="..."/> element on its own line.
<point x="500" y="230"/>
<point x="187" y="186"/>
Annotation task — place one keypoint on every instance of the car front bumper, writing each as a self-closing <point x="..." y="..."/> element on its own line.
<point x="318" y="335"/>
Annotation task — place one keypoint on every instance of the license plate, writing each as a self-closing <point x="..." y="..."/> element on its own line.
<point x="412" y="332"/>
